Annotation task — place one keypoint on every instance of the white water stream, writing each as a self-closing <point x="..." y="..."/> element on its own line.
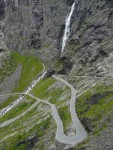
<point x="9" y="107"/>
<point x="81" y="134"/>
<point x="67" y="27"/>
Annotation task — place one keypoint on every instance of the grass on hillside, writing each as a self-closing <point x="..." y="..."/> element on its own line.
<point x="40" y="130"/>
<point x="65" y="115"/>
<point x="7" y="68"/>
<point x="42" y="90"/>
<point x="31" y="67"/>
<point x="26" y="126"/>
<point x="18" y="124"/>
<point x="93" y="105"/>
<point x="95" y="102"/>
<point x="19" y="109"/>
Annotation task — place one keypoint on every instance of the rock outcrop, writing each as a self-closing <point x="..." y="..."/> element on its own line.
<point x="29" y="142"/>
<point x="2" y="9"/>
<point x="36" y="27"/>
<point x="91" y="40"/>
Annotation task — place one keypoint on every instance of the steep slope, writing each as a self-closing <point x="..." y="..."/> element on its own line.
<point x="90" y="51"/>
<point x="90" y="44"/>
<point x="36" y="27"/>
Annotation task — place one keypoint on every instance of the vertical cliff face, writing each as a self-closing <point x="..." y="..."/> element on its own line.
<point x="3" y="47"/>
<point x="2" y="9"/>
<point x="37" y="27"/>
<point x="91" y="41"/>
<point x="34" y="26"/>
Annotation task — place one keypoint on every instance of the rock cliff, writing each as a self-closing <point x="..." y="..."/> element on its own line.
<point x="91" y="40"/>
<point x="36" y="27"/>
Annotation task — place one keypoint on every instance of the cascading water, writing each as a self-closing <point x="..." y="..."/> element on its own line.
<point x="4" y="111"/>
<point x="67" y="27"/>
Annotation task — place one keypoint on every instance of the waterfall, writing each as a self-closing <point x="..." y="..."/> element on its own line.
<point x="67" y="27"/>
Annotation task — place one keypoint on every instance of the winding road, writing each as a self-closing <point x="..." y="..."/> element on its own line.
<point x="81" y="134"/>
<point x="11" y="106"/>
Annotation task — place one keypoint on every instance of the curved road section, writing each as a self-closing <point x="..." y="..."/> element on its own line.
<point x="81" y="134"/>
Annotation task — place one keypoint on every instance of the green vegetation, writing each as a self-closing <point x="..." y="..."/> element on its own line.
<point x="23" y="106"/>
<point x="40" y="130"/>
<point x="96" y="101"/>
<point x="41" y="127"/>
<point x="58" y="65"/>
<point x="44" y="90"/>
<point x="7" y="68"/>
<point x="65" y="115"/>
<point x="74" y="47"/>
<point x="31" y="67"/>
<point x="8" y="101"/>
<point x="41" y="88"/>
<point x="40" y="146"/>
<point x="32" y="121"/>
<point x="18" y="125"/>
<point x="93" y="105"/>
<point x="24" y="127"/>
<point x="55" y="95"/>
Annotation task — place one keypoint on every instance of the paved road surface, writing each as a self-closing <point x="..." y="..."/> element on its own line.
<point x="81" y="134"/>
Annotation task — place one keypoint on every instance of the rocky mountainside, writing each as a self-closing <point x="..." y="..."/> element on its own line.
<point x="91" y="40"/>
<point x="36" y="27"/>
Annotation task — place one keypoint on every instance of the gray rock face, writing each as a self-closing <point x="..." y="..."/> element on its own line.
<point x="91" y="39"/>
<point x="35" y="26"/>
<point x="10" y="83"/>
<point x="2" y="9"/>
<point x="103" y="141"/>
